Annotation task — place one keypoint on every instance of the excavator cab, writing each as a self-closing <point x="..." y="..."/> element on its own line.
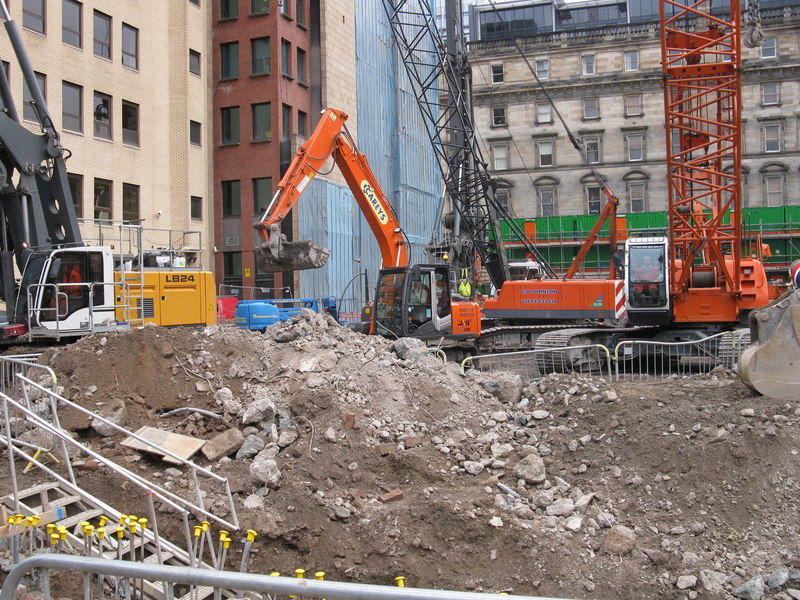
<point x="414" y="302"/>
<point x="771" y="365"/>
<point x="647" y="281"/>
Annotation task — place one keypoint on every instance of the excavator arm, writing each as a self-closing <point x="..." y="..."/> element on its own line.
<point x="330" y="138"/>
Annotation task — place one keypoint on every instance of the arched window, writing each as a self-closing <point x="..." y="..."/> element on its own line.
<point x="745" y="174"/>
<point x="593" y="194"/>
<point x="547" y="196"/>
<point x="636" y="189"/>
<point x="773" y="183"/>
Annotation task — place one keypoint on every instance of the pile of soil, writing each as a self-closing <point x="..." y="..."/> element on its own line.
<point x="368" y="458"/>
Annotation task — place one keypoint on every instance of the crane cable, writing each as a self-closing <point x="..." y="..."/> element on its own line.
<point x="577" y="144"/>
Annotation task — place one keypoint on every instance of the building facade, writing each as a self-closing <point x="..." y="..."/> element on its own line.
<point x="116" y="76"/>
<point x="277" y="65"/>
<point x="600" y="65"/>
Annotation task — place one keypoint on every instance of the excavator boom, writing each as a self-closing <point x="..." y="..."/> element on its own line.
<point x="330" y="138"/>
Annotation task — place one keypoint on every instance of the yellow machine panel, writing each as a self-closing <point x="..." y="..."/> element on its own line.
<point x="171" y="298"/>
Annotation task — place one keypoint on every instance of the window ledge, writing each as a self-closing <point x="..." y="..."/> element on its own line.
<point x="227" y="19"/>
<point x="234" y="78"/>
<point x="590" y="118"/>
<point x="264" y="141"/>
<point x="257" y="75"/>
<point x="224" y="144"/>
<point x="499" y="126"/>
<point x="287" y="17"/>
<point x="132" y="146"/>
<point x="772" y="104"/>
<point x="302" y="26"/>
<point x="302" y="84"/>
<point x="287" y="77"/>
<point x="258" y="14"/>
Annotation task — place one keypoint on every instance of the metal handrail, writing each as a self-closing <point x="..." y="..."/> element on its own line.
<point x="599" y="347"/>
<point x="140" y="481"/>
<point x="246" y="582"/>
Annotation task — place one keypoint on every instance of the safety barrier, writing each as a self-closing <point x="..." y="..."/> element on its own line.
<point x="267" y="586"/>
<point x="589" y="359"/>
<point x="643" y="359"/>
<point x="14" y="364"/>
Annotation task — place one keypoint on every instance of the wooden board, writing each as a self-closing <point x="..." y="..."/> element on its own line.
<point x="182" y="445"/>
<point x="51" y="516"/>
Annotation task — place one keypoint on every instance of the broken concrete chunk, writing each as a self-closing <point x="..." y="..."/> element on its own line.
<point x="619" y="540"/>
<point x="223" y="444"/>
<point x="531" y="469"/>
<point x="113" y="411"/>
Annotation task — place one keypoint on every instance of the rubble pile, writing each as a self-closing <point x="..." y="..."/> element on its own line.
<point x="369" y="458"/>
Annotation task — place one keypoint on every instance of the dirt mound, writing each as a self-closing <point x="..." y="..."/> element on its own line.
<point x="368" y="458"/>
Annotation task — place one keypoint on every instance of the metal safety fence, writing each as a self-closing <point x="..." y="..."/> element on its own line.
<point x="630" y="359"/>
<point x="227" y="583"/>
<point x="589" y="359"/>
<point x="643" y="359"/>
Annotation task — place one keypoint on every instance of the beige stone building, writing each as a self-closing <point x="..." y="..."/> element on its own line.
<point x="127" y="86"/>
<point x="606" y="83"/>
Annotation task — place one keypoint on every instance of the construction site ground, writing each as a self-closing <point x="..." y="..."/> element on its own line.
<point x="368" y="459"/>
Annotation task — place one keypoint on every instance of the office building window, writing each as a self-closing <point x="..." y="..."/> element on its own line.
<point x="101" y="112"/>
<point x="302" y="123"/>
<point x="286" y="58"/>
<point x="543" y="68"/>
<point x="231" y="198"/>
<point x="770" y="93"/>
<point x="229" y="67"/>
<point x="500" y="157"/>
<point x="772" y="137"/>
<point x="76" y="191"/>
<point x="285" y="8"/>
<point x="262" y="121"/>
<point x="300" y="12"/>
<point x="262" y="194"/>
<point x="130" y="202"/>
<point x="232" y="268"/>
<point x="593" y="203"/>
<point x="545" y="151"/>
<point x="259" y="7"/>
<point x="260" y="53"/>
<point x="194" y="62"/>
<point x="230" y="125"/>
<point x="130" y="46"/>
<point x="588" y="64"/>
<point x="499" y="116"/>
<point x="769" y="49"/>
<point x="632" y="60"/>
<point x="301" y="66"/>
<point x="71" y="107"/>
<point x="544" y="113"/>
<point x="634" y="146"/>
<point x="228" y="9"/>
<point x="591" y="108"/>
<point x="196" y="208"/>
<point x="72" y="23"/>
<point x="497" y="74"/>
<point x="633" y="105"/>
<point x="591" y="146"/>
<point x="636" y="196"/>
<point x="130" y="123"/>
<point x="33" y="15"/>
<point x="102" y="35"/>
<point x="195" y="2"/>
<point x="286" y="122"/>
<point x="102" y="199"/>
<point x="195" y="133"/>
<point x="28" y="109"/>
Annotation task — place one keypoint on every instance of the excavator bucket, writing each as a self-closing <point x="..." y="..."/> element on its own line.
<point x="291" y="256"/>
<point x="771" y="365"/>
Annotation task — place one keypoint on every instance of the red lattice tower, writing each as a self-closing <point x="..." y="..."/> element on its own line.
<point x="701" y="60"/>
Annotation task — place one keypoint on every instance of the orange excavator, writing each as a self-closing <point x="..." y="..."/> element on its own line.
<point x="330" y="138"/>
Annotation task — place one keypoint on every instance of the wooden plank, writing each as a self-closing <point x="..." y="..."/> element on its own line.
<point x="181" y="445"/>
<point x="51" y="516"/>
